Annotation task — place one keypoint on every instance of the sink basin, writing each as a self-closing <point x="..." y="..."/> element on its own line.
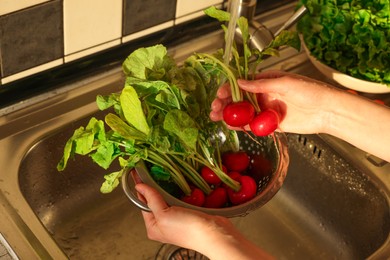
<point x="84" y="223"/>
<point x="325" y="209"/>
<point x="331" y="206"/>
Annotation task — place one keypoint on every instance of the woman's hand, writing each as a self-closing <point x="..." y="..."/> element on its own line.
<point x="300" y="102"/>
<point x="307" y="106"/>
<point x="214" y="236"/>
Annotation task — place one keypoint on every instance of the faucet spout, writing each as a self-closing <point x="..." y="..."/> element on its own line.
<point x="247" y="8"/>
<point x="261" y="36"/>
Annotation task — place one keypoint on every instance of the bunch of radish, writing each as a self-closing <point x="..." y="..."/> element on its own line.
<point x="240" y="113"/>
<point x="235" y="164"/>
<point x="238" y="61"/>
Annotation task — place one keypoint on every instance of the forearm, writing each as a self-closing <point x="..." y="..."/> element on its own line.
<point x="224" y="242"/>
<point x="240" y="248"/>
<point x="361" y="122"/>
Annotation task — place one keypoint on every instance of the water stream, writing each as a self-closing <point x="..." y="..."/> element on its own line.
<point x="234" y="8"/>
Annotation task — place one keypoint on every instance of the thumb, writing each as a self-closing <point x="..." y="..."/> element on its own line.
<point x="265" y="82"/>
<point x="262" y="85"/>
<point x="154" y="199"/>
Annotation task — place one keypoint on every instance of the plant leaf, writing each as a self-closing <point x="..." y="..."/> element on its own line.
<point x="183" y="126"/>
<point x="106" y="154"/>
<point x="218" y="14"/>
<point x="132" y="109"/>
<point x="148" y="63"/>
<point x="123" y="129"/>
<point x="83" y="141"/>
<point x="111" y="181"/>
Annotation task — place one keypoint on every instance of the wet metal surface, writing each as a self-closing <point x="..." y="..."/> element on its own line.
<point x="325" y="209"/>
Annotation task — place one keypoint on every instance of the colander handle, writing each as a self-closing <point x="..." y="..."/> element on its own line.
<point x="129" y="193"/>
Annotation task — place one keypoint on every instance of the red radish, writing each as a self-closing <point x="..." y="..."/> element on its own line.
<point x="238" y="114"/>
<point x="265" y="122"/>
<point x="260" y="166"/>
<point x="209" y="176"/>
<point x="236" y="161"/>
<point x="234" y="175"/>
<point x="247" y="192"/>
<point x="216" y="199"/>
<point x="197" y="198"/>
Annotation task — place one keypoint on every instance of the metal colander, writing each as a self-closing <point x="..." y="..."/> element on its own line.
<point x="272" y="147"/>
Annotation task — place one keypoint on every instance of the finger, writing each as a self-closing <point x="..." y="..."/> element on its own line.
<point x="154" y="199"/>
<point x="219" y="104"/>
<point x="265" y="82"/>
<point x="137" y="180"/>
<point x="216" y="116"/>
<point x="135" y="176"/>
<point x="216" y="105"/>
<point x="271" y="74"/>
<point x="224" y="91"/>
<point x="266" y="85"/>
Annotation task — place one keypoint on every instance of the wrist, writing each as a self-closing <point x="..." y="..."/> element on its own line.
<point x="224" y="241"/>
<point x="354" y="118"/>
<point x="336" y="111"/>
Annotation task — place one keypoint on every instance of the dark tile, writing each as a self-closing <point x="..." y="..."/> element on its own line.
<point x="31" y="37"/>
<point x="142" y="14"/>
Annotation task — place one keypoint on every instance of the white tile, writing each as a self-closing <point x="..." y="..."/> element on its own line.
<point x="147" y="31"/>
<point x="89" y="23"/>
<point x="188" y="17"/>
<point x="32" y="71"/>
<point x="191" y="16"/>
<point x="92" y="50"/>
<point x="9" y="6"/>
<point x="185" y="7"/>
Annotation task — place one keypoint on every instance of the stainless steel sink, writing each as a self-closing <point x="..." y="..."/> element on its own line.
<point x="334" y="203"/>
<point x="326" y="208"/>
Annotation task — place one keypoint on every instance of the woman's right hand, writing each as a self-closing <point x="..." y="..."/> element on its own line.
<point x="302" y="103"/>
<point x="307" y="106"/>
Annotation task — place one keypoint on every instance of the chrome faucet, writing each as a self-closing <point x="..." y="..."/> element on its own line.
<point x="261" y="36"/>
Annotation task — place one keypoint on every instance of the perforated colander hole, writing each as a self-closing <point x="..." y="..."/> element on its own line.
<point x="317" y="151"/>
<point x="263" y="182"/>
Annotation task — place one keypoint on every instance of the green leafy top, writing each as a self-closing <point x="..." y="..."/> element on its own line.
<point x="162" y="114"/>
<point x="350" y="36"/>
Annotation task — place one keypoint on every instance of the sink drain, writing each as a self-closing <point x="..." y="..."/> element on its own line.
<point x="172" y="252"/>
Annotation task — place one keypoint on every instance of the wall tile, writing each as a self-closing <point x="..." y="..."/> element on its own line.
<point x="185" y="7"/>
<point x="9" y="6"/>
<point x="33" y="71"/>
<point x="148" y="31"/>
<point x="36" y="35"/>
<point x="142" y="14"/>
<point x="89" y="23"/>
<point x="31" y="37"/>
<point x="92" y="50"/>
